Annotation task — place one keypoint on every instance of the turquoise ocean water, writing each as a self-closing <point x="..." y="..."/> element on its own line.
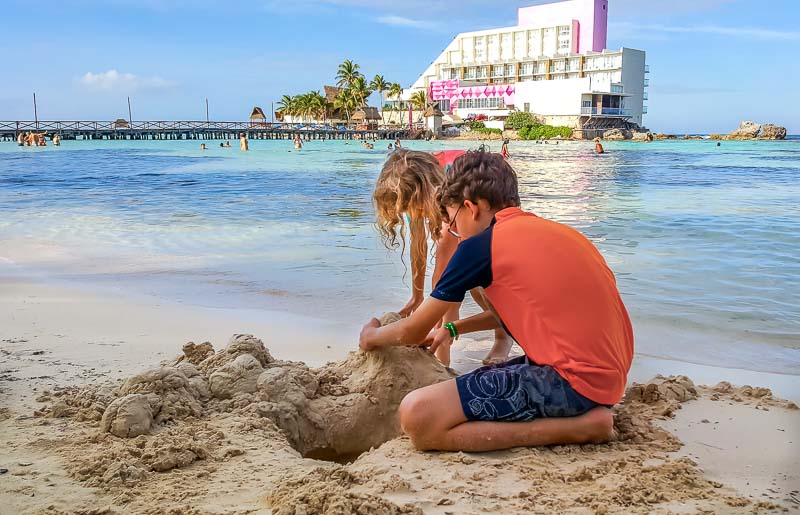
<point x="704" y="240"/>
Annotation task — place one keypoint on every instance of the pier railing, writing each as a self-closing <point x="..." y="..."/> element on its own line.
<point x="156" y="125"/>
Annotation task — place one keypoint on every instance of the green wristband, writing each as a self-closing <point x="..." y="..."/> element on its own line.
<point x="452" y="328"/>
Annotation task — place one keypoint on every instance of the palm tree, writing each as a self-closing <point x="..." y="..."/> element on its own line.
<point x="360" y="90"/>
<point x="319" y="105"/>
<point x="347" y="74"/>
<point x="396" y="91"/>
<point x="380" y="85"/>
<point x="346" y="101"/>
<point x="286" y="105"/>
<point x="420" y="100"/>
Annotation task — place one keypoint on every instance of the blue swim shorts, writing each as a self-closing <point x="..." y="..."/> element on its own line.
<point x="518" y="390"/>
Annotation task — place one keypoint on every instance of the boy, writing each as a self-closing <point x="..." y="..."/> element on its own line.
<point x="550" y="288"/>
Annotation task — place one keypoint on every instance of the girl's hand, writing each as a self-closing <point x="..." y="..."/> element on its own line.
<point x="367" y="332"/>
<point x="411" y="305"/>
<point x="437" y="338"/>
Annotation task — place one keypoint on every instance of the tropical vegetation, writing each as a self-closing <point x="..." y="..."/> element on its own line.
<point x="539" y="131"/>
<point x="354" y="92"/>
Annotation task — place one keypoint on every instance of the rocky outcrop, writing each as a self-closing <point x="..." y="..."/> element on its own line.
<point x="746" y="130"/>
<point x="617" y="134"/>
<point x="770" y="131"/>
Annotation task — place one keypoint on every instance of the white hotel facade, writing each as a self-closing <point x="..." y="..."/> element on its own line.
<point x="554" y="64"/>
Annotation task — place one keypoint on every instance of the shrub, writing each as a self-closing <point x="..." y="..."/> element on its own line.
<point x="539" y="131"/>
<point x="519" y="120"/>
<point x="474" y="124"/>
<point x="484" y="130"/>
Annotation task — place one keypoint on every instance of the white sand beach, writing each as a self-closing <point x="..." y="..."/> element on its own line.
<point x="680" y="449"/>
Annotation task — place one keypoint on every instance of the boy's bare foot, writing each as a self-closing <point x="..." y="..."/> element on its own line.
<point x="598" y="425"/>
<point x="500" y="349"/>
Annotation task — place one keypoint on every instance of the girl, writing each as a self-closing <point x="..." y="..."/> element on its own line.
<point x="405" y="195"/>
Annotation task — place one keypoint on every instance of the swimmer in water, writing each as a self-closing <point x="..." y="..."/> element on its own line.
<point x="504" y="151"/>
<point x="598" y="147"/>
<point x="243" y="145"/>
<point x="203" y="146"/>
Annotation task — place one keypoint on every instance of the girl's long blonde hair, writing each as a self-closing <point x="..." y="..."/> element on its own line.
<point x="408" y="184"/>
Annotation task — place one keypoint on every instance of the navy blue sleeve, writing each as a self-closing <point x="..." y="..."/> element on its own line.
<point x="470" y="267"/>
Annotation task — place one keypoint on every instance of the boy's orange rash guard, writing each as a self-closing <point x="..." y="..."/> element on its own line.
<point x="556" y="296"/>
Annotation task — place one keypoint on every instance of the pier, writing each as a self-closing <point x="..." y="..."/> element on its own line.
<point x="191" y="130"/>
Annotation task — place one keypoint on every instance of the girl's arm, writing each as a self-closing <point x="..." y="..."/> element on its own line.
<point x="419" y="256"/>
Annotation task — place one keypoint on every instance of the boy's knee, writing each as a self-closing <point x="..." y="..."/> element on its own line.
<point x="411" y="411"/>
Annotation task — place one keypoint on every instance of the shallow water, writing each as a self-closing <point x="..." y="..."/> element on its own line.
<point x="703" y="239"/>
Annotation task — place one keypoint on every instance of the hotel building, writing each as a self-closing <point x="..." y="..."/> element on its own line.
<point x="554" y="64"/>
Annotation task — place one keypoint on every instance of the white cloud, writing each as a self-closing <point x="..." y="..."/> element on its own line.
<point x="401" y="21"/>
<point x="114" y="80"/>
<point x="738" y="32"/>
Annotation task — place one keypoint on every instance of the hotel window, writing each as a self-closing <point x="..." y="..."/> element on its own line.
<point x="506" y="48"/>
<point x="519" y="44"/>
<point x="483" y="72"/>
<point x="444" y="105"/>
<point x="480" y="50"/>
<point x="526" y="69"/>
<point x="534" y="43"/>
<point x="563" y="31"/>
<point x="527" y="107"/>
<point x="616" y="88"/>
<point x="481" y="103"/>
<point x="497" y="71"/>
<point x="494" y="47"/>
<point x="470" y="72"/>
<point x="509" y="70"/>
<point x="563" y="44"/>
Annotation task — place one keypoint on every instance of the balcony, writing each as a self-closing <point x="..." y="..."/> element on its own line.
<point x="647" y="68"/>
<point x="644" y="95"/>
<point x="646" y="82"/>
<point x="605" y="111"/>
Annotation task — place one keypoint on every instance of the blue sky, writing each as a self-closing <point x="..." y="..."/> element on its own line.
<point x="713" y="62"/>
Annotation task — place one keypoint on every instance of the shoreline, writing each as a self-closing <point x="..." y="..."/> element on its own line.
<point x="54" y="336"/>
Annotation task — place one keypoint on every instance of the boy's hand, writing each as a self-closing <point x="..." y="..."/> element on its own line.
<point x="367" y="332"/>
<point x="437" y="338"/>
<point x="411" y="305"/>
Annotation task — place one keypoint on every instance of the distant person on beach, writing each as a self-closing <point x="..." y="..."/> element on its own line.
<point x="243" y="145"/>
<point x="404" y="198"/>
<point x="504" y="150"/>
<point x="551" y="288"/>
<point x="598" y="147"/>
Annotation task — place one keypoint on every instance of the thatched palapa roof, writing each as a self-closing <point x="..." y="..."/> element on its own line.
<point x="366" y="113"/>
<point x="331" y="92"/>
<point x="257" y="114"/>
<point x="432" y="110"/>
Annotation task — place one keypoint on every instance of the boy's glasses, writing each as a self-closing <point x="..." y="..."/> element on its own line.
<point x="452" y="223"/>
